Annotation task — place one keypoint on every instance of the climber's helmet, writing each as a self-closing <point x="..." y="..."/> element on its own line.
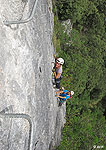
<point x="72" y="93"/>
<point x="60" y="61"/>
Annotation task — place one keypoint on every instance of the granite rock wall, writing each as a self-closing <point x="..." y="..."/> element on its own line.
<point x="26" y="90"/>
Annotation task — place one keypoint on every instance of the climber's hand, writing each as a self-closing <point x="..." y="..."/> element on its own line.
<point x="54" y="56"/>
<point x="57" y="95"/>
<point x="53" y="70"/>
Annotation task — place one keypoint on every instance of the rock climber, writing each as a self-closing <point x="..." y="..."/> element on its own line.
<point x="57" y="70"/>
<point x="64" y="95"/>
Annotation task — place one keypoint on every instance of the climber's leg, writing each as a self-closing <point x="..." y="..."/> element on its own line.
<point x="57" y="83"/>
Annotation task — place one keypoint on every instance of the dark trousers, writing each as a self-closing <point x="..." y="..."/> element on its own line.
<point x="61" y="101"/>
<point x="57" y="81"/>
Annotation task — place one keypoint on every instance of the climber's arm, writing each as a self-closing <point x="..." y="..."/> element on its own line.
<point x="60" y="96"/>
<point x="59" y="92"/>
<point x="57" y="75"/>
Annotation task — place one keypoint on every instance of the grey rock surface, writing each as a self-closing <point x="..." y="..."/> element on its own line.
<point x="26" y="56"/>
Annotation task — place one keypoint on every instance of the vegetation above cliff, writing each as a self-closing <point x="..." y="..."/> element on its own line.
<point x="84" y="52"/>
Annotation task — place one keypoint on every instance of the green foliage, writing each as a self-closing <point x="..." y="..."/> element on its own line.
<point x="84" y="72"/>
<point x="84" y="62"/>
<point x="83" y="131"/>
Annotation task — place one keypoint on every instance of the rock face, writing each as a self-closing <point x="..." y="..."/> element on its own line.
<point x="29" y="114"/>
